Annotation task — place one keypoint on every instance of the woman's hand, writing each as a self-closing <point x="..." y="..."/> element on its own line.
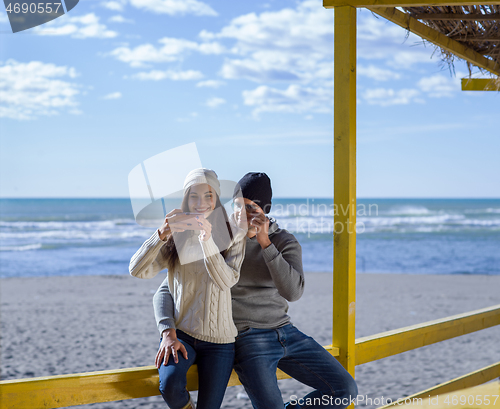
<point x="206" y="228"/>
<point x="166" y="228"/>
<point x="177" y="221"/>
<point x="169" y="345"/>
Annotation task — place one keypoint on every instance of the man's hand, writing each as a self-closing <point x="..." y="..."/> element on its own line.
<point x="261" y="224"/>
<point x="169" y="345"/>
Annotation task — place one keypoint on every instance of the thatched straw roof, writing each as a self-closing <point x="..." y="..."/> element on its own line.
<point x="477" y="27"/>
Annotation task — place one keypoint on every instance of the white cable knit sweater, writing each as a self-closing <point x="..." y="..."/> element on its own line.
<point x="199" y="290"/>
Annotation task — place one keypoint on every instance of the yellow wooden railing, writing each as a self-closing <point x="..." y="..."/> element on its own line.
<point x="105" y="386"/>
<point x="475" y="378"/>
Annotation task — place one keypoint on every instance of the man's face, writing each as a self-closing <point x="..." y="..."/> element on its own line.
<point x="244" y="211"/>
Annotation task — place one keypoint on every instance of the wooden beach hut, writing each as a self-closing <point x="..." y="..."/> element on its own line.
<point x="467" y="29"/>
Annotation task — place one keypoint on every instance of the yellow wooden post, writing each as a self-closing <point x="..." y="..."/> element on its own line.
<point x="344" y="250"/>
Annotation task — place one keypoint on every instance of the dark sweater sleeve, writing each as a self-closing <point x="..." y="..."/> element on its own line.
<point x="285" y="267"/>
<point x="163" y="305"/>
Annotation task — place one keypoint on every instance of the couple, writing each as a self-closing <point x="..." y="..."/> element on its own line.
<point x="224" y="301"/>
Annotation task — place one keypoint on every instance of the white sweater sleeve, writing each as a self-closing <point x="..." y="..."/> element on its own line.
<point x="225" y="273"/>
<point x="147" y="262"/>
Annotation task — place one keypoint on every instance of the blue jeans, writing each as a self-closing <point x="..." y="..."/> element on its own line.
<point x="215" y="363"/>
<point x="260" y="351"/>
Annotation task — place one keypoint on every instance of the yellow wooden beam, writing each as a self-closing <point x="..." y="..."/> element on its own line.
<point x="475" y="378"/>
<point x="400" y="340"/>
<point x="344" y="248"/>
<point x="329" y="4"/>
<point x="404" y="20"/>
<point x="78" y="389"/>
<point x="457" y="16"/>
<point x="92" y="387"/>
<point x="480" y="84"/>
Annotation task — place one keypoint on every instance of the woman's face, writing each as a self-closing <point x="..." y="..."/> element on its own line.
<point x="201" y="199"/>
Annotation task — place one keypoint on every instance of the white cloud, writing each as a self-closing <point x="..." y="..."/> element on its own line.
<point x="292" y="45"/>
<point x="294" y="99"/>
<point x="175" y="7"/>
<point x="171" y="49"/>
<point x="386" y="97"/>
<point x="30" y="90"/>
<point x="86" y="26"/>
<point x="211" y="84"/>
<point x="407" y="59"/>
<point x="379" y="39"/>
<point x="115" y="5"/>
<point x="439" y="86"/>
<point x="265" y="69"/>
<point x="377" y="73"/>
<point x="3" y="18"/>
<point x="120" y="19"/>
<point x="215" y="102"/>
<point x="308" y="27"/>
<point x="170" y="7"/>
<point x="157" y="75"/>
<point x="113" y="95"/>
<point x="273" y="45"/>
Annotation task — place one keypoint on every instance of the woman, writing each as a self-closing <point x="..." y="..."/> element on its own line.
<point x="203" y="254"/>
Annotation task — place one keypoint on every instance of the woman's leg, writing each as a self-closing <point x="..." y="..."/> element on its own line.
<point x="215" y="363"/>
<point x="173" y="377"/>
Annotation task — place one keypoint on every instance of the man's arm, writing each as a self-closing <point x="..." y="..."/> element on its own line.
<point x="284" y="263"/>
<point x="163" y="304"/>
<point x="285" y="266"/>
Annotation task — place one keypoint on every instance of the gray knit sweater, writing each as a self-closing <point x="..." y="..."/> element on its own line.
<point x="268" y="279"/>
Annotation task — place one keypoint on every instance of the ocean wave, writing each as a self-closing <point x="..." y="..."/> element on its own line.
<point x="74" y="235"/>
<point x="488" y="211"/>
<point x="412" y="220"/>
<point x="26" y="247"/>
<point x="408" y="210"/>
<point x="65" y="225"/>
<point x="400" y="224"/>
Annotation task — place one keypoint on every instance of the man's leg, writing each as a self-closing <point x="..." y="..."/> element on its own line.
<point x="257" y="354"/>
<point x="309" y="363"/>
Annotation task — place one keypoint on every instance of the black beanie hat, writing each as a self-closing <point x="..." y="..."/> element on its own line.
<point x="256" y="186"/>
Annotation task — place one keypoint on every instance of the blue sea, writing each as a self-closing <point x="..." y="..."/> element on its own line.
<point x="63" y="237"/>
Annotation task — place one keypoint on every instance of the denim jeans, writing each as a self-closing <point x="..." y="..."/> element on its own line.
<point x="215" y="363"/>
<point x="260" y="351"/>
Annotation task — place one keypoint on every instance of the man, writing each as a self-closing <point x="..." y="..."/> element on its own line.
<point x="270" y="276"/>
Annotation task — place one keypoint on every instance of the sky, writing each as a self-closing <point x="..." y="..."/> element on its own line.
<point x="89" y="96"/>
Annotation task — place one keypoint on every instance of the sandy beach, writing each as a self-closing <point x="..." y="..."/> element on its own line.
<point x="63" y="325"/>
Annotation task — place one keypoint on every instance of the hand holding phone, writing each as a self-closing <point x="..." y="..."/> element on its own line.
<point x="181" y="221"/>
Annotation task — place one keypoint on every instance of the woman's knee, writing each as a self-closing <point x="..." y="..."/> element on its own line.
<point x="172" y="383"/>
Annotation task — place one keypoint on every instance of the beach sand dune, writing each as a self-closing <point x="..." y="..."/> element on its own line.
<point x="63" y="325"/>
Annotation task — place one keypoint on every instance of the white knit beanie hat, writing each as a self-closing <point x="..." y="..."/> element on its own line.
<point x="202" y="175"/>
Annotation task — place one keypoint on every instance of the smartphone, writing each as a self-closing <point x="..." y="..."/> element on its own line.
<point x="186" y="215"/>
